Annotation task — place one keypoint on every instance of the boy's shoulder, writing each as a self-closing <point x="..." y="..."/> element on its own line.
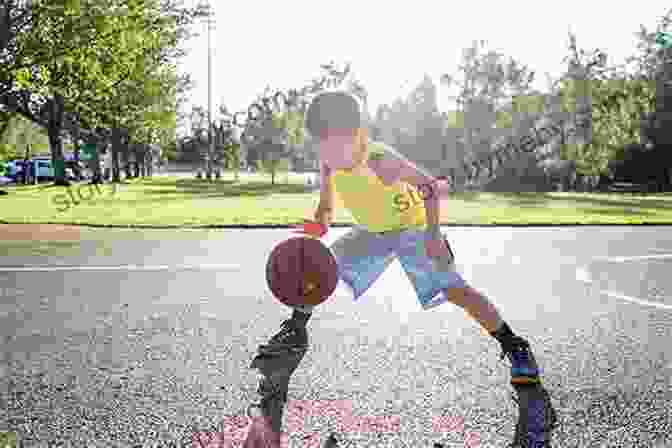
<point x="376" y="151"/>
<point x="381" y="151"/>
<point x="385" y="162"/>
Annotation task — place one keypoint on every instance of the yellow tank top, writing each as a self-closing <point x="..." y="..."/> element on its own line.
<point x="376" y="206"/>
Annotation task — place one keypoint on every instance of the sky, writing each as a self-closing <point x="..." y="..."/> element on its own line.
<point x="392" y="45"/>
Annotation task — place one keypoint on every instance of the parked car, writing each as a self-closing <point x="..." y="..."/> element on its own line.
<point x="43" y="168"/>
<point x="15" y="170"/>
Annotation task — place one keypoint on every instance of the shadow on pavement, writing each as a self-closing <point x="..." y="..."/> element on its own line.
<point x="228" y="189"/>
<point x="636" y="211"/>
<point x="545" y="199"/>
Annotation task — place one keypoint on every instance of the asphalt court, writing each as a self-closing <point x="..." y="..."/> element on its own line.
<point x="130" y="317"/>
<point x="643" y="279"/>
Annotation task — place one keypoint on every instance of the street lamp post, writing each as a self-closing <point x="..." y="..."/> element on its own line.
<point x="211" y="142"/>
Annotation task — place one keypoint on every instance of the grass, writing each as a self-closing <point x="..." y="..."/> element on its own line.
<point x="169" y="201"/>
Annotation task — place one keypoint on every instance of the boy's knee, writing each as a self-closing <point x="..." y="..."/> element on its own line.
<point x="460" y="296"/>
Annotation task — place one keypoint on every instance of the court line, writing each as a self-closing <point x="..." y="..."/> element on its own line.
<point x="583" y="275"/>
<point x="128" y="267"/>
<point x="635" y="258"/>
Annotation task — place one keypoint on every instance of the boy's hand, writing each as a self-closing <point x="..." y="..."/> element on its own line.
<point x="437" y="247"/>
<point x="323" y="215"/>
<point x="312" y="228"/>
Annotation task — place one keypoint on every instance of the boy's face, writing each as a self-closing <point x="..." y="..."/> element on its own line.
<point x="338" y="148"/>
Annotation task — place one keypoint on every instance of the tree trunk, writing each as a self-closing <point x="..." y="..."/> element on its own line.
<point x="126" y="157"/>
<point x="27" y="166"/>
<point x="116" y="147"/>
<point x="97" y="175"/>
<point x="75" y="137"/>
<point x="55" y="125"/>
<point x="147" y="162"/>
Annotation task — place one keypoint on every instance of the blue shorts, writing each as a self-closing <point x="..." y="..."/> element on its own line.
<point x="363" y="256"/>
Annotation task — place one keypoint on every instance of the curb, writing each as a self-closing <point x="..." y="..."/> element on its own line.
<point x="340" y="225"/>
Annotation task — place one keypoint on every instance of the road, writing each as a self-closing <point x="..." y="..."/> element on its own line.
<point x="128" y="332"/>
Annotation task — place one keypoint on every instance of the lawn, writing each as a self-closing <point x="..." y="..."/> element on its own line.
<point x="170" y="201"/>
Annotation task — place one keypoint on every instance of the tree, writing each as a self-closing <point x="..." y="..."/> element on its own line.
<point x="41" y="78"/>
<point x="270" y="122"/>
<point x="19" y="18"/>
<point x="621" y="102"/>
<point x="425" y="124"/>
<point x="655" y="65"/>
<point x="145" y="85"/>
<point x="486" y="82"/>
<point x="273" y="159"/>
<point x="111" y="48"/>
<point x="22" y="133"/>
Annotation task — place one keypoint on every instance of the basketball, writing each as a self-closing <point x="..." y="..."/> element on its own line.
<point x="301" y="271"/>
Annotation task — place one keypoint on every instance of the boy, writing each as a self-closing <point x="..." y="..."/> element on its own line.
<point x="396" y="208"/>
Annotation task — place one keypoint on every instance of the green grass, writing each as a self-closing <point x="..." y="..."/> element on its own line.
<point x="168" y="201"/>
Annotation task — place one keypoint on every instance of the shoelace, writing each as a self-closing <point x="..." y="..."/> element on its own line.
<point x="520" y="348"/>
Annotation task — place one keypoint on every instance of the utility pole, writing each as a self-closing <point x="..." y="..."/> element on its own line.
<point x="211" y="142"/>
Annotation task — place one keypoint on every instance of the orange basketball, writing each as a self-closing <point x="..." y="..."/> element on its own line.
<point x="301" y="271"/>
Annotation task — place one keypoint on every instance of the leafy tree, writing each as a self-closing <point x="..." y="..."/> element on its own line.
<point x="655" y="65"/>
<point x="486" y="82"/>
<point x="145" y="84"/>
<point x="484" y="87"/>
<point x="621" y="103"/>
<point x="273" y="158"/>
<point x="112" y="47"/>
<point x="269" y="125"/>
<point x="24" y="135"/>
<point x="56" y="79"/>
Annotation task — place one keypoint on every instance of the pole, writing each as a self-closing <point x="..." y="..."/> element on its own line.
<point x="210" y="136"/>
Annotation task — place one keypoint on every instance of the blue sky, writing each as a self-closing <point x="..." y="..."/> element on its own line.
<point x="392" y="45"/>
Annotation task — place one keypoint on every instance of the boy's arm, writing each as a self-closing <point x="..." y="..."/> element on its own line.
<point x="326" y="188"/>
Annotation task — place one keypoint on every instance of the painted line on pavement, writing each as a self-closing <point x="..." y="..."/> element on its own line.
<point x="635" y="258"/>
<point x="129" y="267"/>
<point x="583" y="275"/>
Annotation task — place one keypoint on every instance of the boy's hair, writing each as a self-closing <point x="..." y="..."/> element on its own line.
<point x="338" y="109"/>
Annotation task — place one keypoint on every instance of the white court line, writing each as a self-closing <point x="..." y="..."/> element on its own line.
<point x="640" y="257"/>
<point x="128" y="267"/>
<point x="583" y="275"/>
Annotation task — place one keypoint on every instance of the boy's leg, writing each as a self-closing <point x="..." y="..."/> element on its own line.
<point x="537" y="417"/>
<point x="524" y="369"/>
<point x="438" y="282"/>
<point x="361" y="260"/>
<point x="292" y="336"/>
<point x="477" y="305"/>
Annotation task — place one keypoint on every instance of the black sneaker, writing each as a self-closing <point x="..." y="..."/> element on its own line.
<point x="524" y="368"/>
<point x="537" y="418"/>
<point x="291" y="337"/>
